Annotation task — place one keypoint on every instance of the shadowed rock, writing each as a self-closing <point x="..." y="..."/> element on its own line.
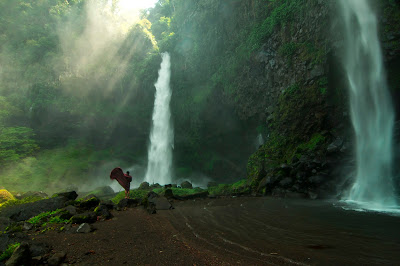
<point x="21" y="256"/>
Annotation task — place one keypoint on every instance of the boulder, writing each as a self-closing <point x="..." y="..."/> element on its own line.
<point x="86" y="217"/>
<point x="168" y="193"/>
<point x="56" y="259"/>
<point x="89" y="202"/>
<point x="20" y="256"/>
<point x="335" y="146"/>
<point x="286" y="182"/>
<point x="71" y="195"/>
<point x="144" y="186"/>
<point x="161" y="203"/>
<point x="67" y="212"/>
<point x="186" y="184"/>
<point x="4" y="222"/>
<point x="39" y="249"/>
<point x="84" y="228"/>
<point x="128" y="203"/>
<point x="152" y="195"/>
<point x="103" y="211"/>
<point x="25" y="211"/>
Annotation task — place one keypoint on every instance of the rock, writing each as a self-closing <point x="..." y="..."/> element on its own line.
<point x="128" y="203"/>
<point x="312" y="195"/>
<point x="151" y="208"/>
<point x="286" y="182"/>
<point x="25" y="211"/>
<point x="39" y="249"/>
<point x="87" y="217"/>
<point x="4" y="222"/>
<point x="212" y="184"/>
<point x="4" y="241"/>
<point x="39" y="194"/>
<point x="161" y="203"/>
<point x="316" y="179"/>
<point x="156" y="185"/>
<point x="168" y="193"/>
<point x="84" y="228"/>
<point x="69" y="195"/>
<point x="335" y="146"/>
<point x="67" y="212"/>
<point x="186" y="184"/>
<point x="56" y="259"/>
<point x="316" y="72"/>
<point x="144" y="186"/>
<point x="295" y="195"/>
<point x="102" y="210"/>
<point x="152" y="195"/>
<point x="89" y="202"/>
<point x="109" y="204"/>
<point x="21" y="256"/>
<point x="27" y="226"/>
<point x="268" y="183"/>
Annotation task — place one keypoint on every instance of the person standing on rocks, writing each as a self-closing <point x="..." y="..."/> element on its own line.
<point x="123" y="179"/>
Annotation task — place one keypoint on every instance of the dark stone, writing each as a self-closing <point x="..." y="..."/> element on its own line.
<point x="84" y="228"/>
<point x="87" y="217"/>
<point x="4" y="241"/>
<point x="27" y="226"/>
<point x="128" y="203"/>
<point x="57" y="259"/>
<point x="103" y="211"/>
<point x="151" y="208"/>
<point x="39" y="249"/>
<point x="67" y="212"/>
<point x="286" y="182"/>
<point x="109" y="204"/>
<point x="316" y="180"/>
<point x="144" y="186"/>
<point x="25" y="211"/>
<point x="89" y="202"/>
<point x="4" y="222"/>
<point x="161" y="203"/>
<point x="71" y="195"/>
<point x="168" y="193"/>
<point x="186" y="184"/>
<point x="312" y="195"/>
<point x="21" y="256"/>
<point x="152" y="195"/>
<point x="168" y="186"/>
<point x="335" y="146"/>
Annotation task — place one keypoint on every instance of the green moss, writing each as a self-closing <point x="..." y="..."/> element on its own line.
<point x="14" y="202"/>
<point x="45" y="217"/>
<point x="135" y="193"/>
<point x="312" y="143"/>
<point x="229" y="189"/>
<point x="9" y="251"/>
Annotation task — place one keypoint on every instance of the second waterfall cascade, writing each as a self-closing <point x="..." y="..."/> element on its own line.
<point x="371" y="108"/>
<point x="161" y="135"/>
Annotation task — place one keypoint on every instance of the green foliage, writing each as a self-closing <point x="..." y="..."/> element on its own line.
<point x="228" y="189"/>
<point x="312" y="144"/>
<point x="16" y="143"/>
<point x="292" y="89"/>
<point x="9" y="251"/>
<point x="38" y="220"/>
<point x="135" y="193"/>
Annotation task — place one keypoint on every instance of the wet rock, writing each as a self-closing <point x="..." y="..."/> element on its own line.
<point x="168" y="193"/>
<point x="152" y="195"/>
<point x="4" y="241"/>
<point x="102" y="210"/>
<point x="67" y="212"/>
<point x="39" y="249"/>
<point x="84" y="228"/>
<point x="89" y="202"/>
<point x="335" y="146"/>
<point x="144" y="186"/>
<point x="27" y="226"/>
<point x="186" y="184"/>
<point x="4" y="222"/>
<point x="312" y="195"/>
<point x="161" y="203"/>
<point x="151" y="208"/>
<point x="21" y="256"/>
<point x="25" y="211"/>
<point x="286" y="182"/>
<point x="56" y="259"/>
<point x="128" y="203"/>
<point x="71" y="195"/>
<point x="316" y="180"/>
<point x="87" y="217"/>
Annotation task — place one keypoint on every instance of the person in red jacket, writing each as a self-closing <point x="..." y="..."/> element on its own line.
<point x="123" y="179"/>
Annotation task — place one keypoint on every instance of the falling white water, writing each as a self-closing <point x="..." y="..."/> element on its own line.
<point x="371" y="107"/>
<point x="161" y="136"/>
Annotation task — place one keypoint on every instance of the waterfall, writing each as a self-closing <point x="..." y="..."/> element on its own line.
<point x="161" y="135"/>
<point x="371" y="108"/>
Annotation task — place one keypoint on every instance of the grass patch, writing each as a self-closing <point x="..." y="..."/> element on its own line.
<point x="9" y="251"/>
<point x="229" y="189"/>
<point x="135" y="193"/>
<point x="47" y="218"/>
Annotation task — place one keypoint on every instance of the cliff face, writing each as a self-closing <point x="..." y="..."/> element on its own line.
<point x="269" y="68"/>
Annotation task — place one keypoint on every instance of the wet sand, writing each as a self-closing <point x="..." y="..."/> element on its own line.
<point x="246" y="231"/>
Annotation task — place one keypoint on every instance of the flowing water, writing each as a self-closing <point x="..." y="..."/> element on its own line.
<point x="370" y="106"/>
<point x="161" y="136"/>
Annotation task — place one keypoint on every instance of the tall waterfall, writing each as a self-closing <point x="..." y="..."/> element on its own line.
<point x="370" y="106"/>
<point x="161" y="136"/>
